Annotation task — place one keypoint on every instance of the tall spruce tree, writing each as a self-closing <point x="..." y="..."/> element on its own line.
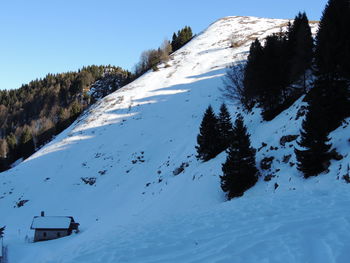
<point x="332" y="59"/>
<point x="329" y="98"/>
<point x="274" y="78"/>
<point x="225" y="127"/>
<point x="300" y="48"/>
<point x="332" y="53"/>
<point x="239" y="170"/>
<point x="313" y="156"/>
<point x="253" y="73"/>
<point x="208" y="138"/>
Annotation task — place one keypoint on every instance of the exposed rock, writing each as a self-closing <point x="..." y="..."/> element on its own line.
<point x="262" y="146"/>
<point x="268" y="177"/>
<point x="180" y="169"/>
<point x="89" y="180"/>
<point x="288" y="138"/>
<point x="266" y="163"/>
<point x="102" y="172"/>
<point x="346" y="178"/>
<point x="335" y="155"/>
<point x="301" y="112"/>
<point x="286" y="158"/>
<point x="21" y="203"/>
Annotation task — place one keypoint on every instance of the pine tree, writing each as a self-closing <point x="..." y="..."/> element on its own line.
<point x="332" y="57"/>
<point x="252" y="72"/>
<point x="239" y="170"/>
<point x="12" y="145"/>
<point x="271" y="69"/>
<point x="208" y="138"/>
<point x="313" y="157"/>
<point x="174" y="42"/>
<point x="332" y="53"/>
<point x="26" y="143"/>
<point x="300" y="48"/>
<point x="274" y="76"/>
<point x="181" y="38"/>
<point x="225" y="127"/>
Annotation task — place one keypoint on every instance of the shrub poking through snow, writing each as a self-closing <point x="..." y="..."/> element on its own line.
<point x="89" y="180"/>
<point x="180" y="169"/>
<point x="266" y="163"/>
<point x="239" y="170"/>
<point x="21" y="203"/>
<point x="287" y="138"/>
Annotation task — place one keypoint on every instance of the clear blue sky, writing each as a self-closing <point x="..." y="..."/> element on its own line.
<point x="52" y="36"/>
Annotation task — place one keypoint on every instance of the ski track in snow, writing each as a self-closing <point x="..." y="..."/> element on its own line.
<point x="138" y="211"/>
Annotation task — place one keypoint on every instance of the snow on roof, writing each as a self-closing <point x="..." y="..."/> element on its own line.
<point x="51" y="222"/>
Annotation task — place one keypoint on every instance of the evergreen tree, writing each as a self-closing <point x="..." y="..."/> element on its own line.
<point x="313" y="157"/>
<point x="26" y="143"/>
<point x="266" y="75"/>
<point x="274" y="76"/>
<point x="329" y="98"/>
<point x="253" y="73"/>
<point x="181" y="38"/>
<point x="271" y="69"/>
<point x="239" y="170"/>
<point x="300" y="48"/>
<point x="332" y="53"/>
<point x="12" y="145"/>
<point x="208" y="138"/>
<point x="332" y="57"/>
<point x="225" y="127"/>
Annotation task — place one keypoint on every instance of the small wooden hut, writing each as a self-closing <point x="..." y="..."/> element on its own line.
<point x="52" y="227"/>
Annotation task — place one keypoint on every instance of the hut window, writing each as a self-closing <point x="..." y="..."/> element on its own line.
<point x="44" y="234"/>
<point x="58" y="234"/>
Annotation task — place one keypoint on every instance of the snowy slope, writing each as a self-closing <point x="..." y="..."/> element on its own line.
<point x="130" y="144"/>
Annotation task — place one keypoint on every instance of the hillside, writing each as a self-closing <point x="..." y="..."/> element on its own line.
<point x="139" y="208"/>
<point x="33" y="114"/>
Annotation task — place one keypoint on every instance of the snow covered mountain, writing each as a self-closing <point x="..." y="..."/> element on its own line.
<point x="127" y="172"/>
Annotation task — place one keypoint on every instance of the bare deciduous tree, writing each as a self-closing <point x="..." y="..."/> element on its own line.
<point x="166" y="49"/>
<point x="234" y="89"/>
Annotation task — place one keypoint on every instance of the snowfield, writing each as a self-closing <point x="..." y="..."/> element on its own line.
<point x="127" y="172"/>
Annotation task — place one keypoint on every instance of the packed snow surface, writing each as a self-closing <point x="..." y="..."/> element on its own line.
<point x="127" y="172"/>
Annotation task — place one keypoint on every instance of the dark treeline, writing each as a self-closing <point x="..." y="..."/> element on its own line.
<point x="31" y="115"/>
<point x="271" y="69"/>
<point x="276" y="74"/>
<point x="288" y="65"/>
<point x="329" y="99"/>
<point x="181" y="38"/>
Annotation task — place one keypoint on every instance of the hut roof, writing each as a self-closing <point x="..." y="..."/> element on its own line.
<point x="52" y="222"/>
